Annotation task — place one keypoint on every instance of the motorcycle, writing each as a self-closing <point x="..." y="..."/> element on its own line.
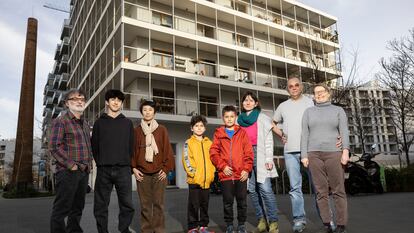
<point x="363" y="175"/>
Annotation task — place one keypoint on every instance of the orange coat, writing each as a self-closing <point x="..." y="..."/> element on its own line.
<point x="236" y="152"/>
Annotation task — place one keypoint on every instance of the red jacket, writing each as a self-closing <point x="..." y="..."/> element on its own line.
<point x="236" y="152"/>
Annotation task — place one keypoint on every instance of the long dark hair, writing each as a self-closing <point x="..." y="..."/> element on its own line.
<point x="254" y="97"/>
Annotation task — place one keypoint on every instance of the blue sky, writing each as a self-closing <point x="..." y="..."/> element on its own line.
<point x="365" y="25"/>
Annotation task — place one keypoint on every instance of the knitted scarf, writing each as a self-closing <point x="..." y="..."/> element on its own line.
<point x="248" y="120"/>
<point x="151" y="147"/>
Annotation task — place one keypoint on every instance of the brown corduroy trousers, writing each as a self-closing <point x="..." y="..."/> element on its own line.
<point x="328" y="176"/>
<point x="151" y="196"/>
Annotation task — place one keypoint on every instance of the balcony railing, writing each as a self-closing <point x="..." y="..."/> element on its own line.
<point x="162" y="60"/>
<point x="137" y="12"/>
<point x="200" y="67"/>
<point x="141" y="13"/>
<point x="171" y="106"/>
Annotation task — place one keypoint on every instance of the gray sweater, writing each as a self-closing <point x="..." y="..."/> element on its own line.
<point x="321" y="126"/>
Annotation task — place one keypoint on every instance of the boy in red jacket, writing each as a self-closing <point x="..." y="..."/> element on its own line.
<point x="232" y="155"/>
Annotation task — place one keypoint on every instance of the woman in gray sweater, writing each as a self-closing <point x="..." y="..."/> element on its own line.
<point x="321" y="126"/>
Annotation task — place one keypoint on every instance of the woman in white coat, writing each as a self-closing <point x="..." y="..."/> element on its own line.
<point x="259" y="129"/>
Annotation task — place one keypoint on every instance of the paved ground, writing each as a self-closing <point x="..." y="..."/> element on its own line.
<point x="387" y="213"/>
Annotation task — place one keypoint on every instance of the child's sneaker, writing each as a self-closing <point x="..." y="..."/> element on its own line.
<point x="299" y="226"/>
<point x="274" y="227"/>
<point x="229" y="229"/>
<point x="261" y="226"/>
<point x="204" y="230"/>
<point x="194" y="230"/>
<point x="241" y="229"/>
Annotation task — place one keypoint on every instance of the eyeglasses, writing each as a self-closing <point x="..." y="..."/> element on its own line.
<point x="76" y="99"/>
<point x="294" y="85"/>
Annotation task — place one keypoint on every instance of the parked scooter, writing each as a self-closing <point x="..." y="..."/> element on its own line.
<point x="364" y="178"/>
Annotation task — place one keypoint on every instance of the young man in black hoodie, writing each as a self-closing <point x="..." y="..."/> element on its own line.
<point x="112" y="146"/>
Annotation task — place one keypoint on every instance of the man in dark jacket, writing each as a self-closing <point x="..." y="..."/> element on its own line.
<point x="112" y="146"/>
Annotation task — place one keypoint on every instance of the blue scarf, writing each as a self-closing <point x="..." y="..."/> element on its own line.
<point x="248" y="120"/>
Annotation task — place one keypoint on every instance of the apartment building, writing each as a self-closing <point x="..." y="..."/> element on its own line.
<point x="7" y="147"/>
<point x="196" y="56"/>
<point x="370" y="121"/>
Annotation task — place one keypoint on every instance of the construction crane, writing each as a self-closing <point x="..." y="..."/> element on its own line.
<point x="57" y="7"/>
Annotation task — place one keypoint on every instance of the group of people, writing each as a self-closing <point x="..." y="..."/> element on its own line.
<point x="241" y="151"/>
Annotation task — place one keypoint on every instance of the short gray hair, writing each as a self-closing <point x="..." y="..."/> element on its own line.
<point x="72" y="91"/>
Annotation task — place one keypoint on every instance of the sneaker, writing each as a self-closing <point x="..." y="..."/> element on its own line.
<point x="194" y="230"/>
<point x="299" y="226"/>
<point x="274" y="227"/>
<point x="340" y="229"/>
<point x="229" y="229"/>
<point x="261" y="226"/>
<point x="333" y="226"/>
<point x="241" y="229"/>
<point x="204" y="230"/>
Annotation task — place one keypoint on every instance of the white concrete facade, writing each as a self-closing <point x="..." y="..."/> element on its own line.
<point x="196" y="56"/>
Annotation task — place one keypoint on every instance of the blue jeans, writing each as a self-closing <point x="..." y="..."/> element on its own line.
<point x="292" y="161"/>
<point x="262" y="194"/>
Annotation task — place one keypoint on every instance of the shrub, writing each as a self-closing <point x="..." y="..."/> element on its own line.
<point x="400" y="180"/>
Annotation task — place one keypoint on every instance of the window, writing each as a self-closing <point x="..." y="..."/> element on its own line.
<point x="244" y="75"/>
<point x="204" y="30"/>
<point x="185" y="25"/>
<point x="164" y="100"/>
<point x="208" y="106"/>
<point x="161" y="59"/>
<point x="242" y="41"/>
<point x="207" y="68"/>
<point x="161" y="19"/>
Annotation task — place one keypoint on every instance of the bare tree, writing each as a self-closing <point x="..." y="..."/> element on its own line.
<point x="340" y="94"/>
<point x="397" y="74"/>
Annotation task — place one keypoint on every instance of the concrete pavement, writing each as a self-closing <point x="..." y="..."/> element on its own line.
<point x="387" y="213"/>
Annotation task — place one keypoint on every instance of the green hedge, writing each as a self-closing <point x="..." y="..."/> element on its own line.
<point x="400" y="180"/>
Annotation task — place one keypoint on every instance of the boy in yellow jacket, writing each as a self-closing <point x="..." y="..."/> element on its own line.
<point x="200" y="174"/>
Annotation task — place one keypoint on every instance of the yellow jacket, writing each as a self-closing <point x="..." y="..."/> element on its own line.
<point x="197" y="163"/>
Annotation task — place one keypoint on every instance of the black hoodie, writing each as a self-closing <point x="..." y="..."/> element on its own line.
<point x="113" y="141"/>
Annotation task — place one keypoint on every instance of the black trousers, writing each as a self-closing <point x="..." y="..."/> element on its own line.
<point x="69" y="201"/>
<point x="234" y="189"/>
<point x="106" y="178"/>
<point x="197" y="215"/>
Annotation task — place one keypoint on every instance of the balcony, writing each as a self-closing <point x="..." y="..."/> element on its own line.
<point x="202" y="67"/>
<point x="187" y="25"/>
<point x="64" y="46"/>
<point x="60" y="99"/>
<point x="64" y="78"/>
<point x="56" y="111"/>
<point x="171" y="106"/>
<point x="55" y="97"/>
<point x="63" y="67"/>
<point x="47" y="112"/>
<point x="48" y="101"/>
<point x="57" y="52"/>
<point x="56" y="82"/>
<point x="48" y="91"/>
<point x="55" y="68"/>
<point x="65" y="29"/>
